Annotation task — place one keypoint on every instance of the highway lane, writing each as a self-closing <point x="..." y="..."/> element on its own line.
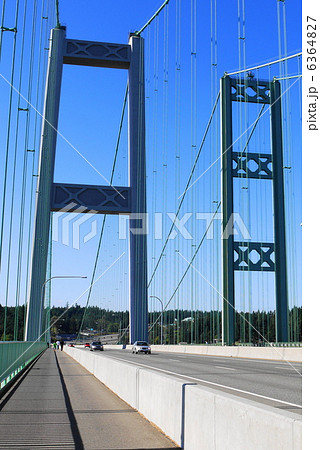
<point x="275" y="383"/>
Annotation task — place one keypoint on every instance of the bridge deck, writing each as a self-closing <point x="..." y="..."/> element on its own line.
<point x="60" y="405"/>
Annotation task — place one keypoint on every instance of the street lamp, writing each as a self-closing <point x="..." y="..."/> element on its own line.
<point x="161" y="325"/>
<point x="42" y="297"/>
<point x="119" y="329"/>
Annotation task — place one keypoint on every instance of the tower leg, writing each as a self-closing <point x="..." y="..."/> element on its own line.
<point x="282" y="334"/>
<point x="228" y="325"/>
<point x="43" y="193"/>
<point x="137" y="182"/>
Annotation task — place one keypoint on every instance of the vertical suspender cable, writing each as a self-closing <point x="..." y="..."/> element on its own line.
<point x="58" y="25"/>
<point x="177" y="145"/>
<point x="165" y="130"/>
<point x="7" y="153"/>
<point x="216" y="174"/>
<point x="2" y="23"/>
<point x="156" y="124"/>
<point x="40" y="89"/>
<point x="240" y="292"/>
<point x="193" y="126"/>
<point x="104" y="217"/>
<point x="289" y="192"/>
<point x="248" y="191"/>
<point x="27" y="122"/>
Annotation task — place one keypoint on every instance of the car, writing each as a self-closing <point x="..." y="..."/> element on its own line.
<point x="87" y="345"/>
<point x="141" y="347"/>
<point x="71" y="345"/>
<point x="96" y="345"/>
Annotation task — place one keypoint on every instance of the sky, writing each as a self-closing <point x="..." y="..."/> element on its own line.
<point x="188" y="48"/>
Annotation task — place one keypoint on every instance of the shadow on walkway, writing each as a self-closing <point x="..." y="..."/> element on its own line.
<point x="59" y="405"/>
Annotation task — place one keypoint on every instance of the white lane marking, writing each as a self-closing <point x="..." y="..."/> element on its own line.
<point x="284" y="368"/>
<point x="230" y="358"/>
<point x="221" y="367"/>
<point x="207" y="382"/>
<point x="286" y="365"/>
<point x="177" y="360"/>
<point x="295" y="365"/>
<point x="200" y="355"/>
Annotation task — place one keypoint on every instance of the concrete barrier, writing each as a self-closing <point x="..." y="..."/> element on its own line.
<point x="292" y="354"/>
<point x="120" y="378"/>
<point x="193" y="416"/>
<point x="160" y="401"/>
<point x="223" y="421"/>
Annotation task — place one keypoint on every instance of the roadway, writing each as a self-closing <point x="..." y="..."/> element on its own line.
<point x="275" y="383"/>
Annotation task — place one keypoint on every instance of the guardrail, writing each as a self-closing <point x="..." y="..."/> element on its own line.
<point x="14" y="356"/>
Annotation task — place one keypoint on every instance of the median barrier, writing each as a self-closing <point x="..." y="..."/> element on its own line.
<point x="119" y="377"/>
<point x="223" y="421"/>
<point x="292" y="354"/>
<point x="160" y="401"/>
<point x="194" y="416"/>
<point x="272" y="353"/>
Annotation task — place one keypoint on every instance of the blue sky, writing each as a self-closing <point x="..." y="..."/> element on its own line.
<point x="178" y="108"/>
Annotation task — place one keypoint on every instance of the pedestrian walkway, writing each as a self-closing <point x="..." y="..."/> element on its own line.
<point x="60" y="405"/>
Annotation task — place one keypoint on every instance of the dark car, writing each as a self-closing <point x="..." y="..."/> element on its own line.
<point x="96" y="345"/>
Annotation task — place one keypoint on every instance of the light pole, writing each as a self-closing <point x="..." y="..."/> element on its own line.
<point x="119" y="329"/>
<point x="42" y="299"/>
<point x="161" y="326"/>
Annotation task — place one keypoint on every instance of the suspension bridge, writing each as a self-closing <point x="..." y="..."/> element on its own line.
<point x="151" y="191"/>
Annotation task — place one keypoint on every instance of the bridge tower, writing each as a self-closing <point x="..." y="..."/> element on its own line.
<point x="103" y="199"/>
<point x="236" y="255"/>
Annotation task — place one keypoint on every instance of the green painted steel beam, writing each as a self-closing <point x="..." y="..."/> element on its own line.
<point x="282" y="333"/>
<point x="228" y="323"/>
<point x="269" y="93"/>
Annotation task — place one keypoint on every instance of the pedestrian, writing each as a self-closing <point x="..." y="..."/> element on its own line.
<point x="54" y="345"/>
<point x="61" y="344"/>
<point x="58" y="344"/>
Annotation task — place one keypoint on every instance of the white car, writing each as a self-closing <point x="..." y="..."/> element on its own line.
<point x="96" y="345"/>
<point x="141" y="347"/>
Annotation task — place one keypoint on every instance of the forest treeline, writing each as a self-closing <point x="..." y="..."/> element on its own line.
<point x="178" y="325"/>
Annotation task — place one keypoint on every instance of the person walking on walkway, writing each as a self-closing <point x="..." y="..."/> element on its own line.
<point x="54" y="345"/>
<point x="58" y="344"/>
<point x="61" y="344"/>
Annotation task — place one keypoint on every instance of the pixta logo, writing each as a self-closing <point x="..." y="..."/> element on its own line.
<point x="68" y="222"/>
<point x="157" y="224"/>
